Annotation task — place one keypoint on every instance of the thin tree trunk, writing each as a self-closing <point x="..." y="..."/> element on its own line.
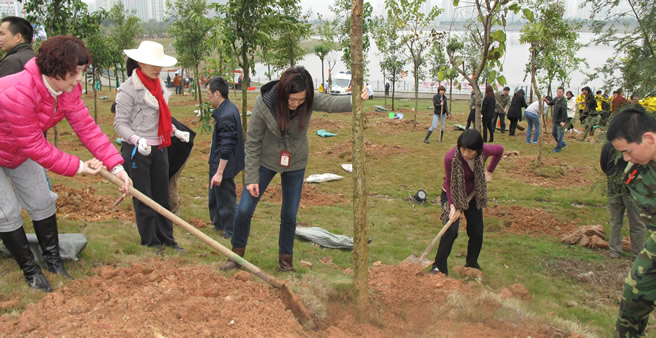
<point x="200" y="97"/>
<point x="450" y="96"/>
<point x="244" y="96"/>
<point x="325" y="90"/>
<point x="384" y="90"/>
<point x="95" y="98"/>
<point x="538" y="159"/>
<point x="414" y="123"/>
<point x="360" y="260"/>
<point x="393" y="89"/>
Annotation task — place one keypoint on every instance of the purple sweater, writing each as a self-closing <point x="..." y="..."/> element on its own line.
<point x="494" y="150"/>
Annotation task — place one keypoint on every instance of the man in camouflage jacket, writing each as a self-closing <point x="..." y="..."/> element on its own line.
<point x="633" y="133"/>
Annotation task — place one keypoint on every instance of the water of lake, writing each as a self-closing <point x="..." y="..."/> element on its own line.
<point x="517" y="55"/>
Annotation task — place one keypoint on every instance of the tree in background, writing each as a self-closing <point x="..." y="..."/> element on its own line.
<point x="441" y="68"/>
<point x="389" y="49"/>
<point x="328" y="36"/>
<point x="322" y="51"/>
<point x="413" y="25"/>
<point x="245" y="25"/>
<point x="291" y="28"/>
<point x="123" y="30"/>
<point x="101" y="57"/>
<point x="632" y="33"/>
<point x="489" y="42"/>
<point x="343" y="9"/>
<point x="190" y="27"/>
<point x="545" y="33"/>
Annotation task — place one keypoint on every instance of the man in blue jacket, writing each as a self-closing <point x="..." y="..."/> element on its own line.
<point x="226" y="156"/>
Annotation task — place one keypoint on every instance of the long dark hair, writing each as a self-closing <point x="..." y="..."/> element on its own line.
<point x="489" y="91"/>
<point x="293" y="80"/>
<point x="131" y="65"/>
<point x="519" y="94"/>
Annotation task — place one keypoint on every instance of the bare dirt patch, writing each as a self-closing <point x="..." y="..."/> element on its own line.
<point x="374" y="151"/>
<point x="163" y="297"/>
<point x="529" y="221"/>
<point x="86" y="204"/>
<point x="312" y="196"/>
<point x="329" y="125"/>
<point x="553" y="173"/>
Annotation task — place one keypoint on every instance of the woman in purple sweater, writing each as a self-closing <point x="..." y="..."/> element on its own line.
<point x="465" y="175"/>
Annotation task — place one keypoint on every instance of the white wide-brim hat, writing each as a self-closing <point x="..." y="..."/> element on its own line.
<point x="151" y="53"/>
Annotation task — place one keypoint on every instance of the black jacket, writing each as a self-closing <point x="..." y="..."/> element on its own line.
<point x="438" y="100"/>
<point x="227" y="140"/>
<point x="518" y="102"/>
<point x="179" y="151"/>
<point x="560" y="110"/>
<point x="16" y="59"/>
<point x="489" y="107"/>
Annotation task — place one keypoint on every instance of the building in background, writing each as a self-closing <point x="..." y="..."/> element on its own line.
<point x="11" y="7"/>
<point x="145" y="10"/>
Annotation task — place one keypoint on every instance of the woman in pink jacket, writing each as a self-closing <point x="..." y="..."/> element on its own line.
<point x="31" y="102"/>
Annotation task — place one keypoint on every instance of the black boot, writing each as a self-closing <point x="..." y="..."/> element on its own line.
<point x="428" y="136"/>
<point x="16" y="243"/>
<point x="285" y="263"/>
<point x="48" y="236"/>
<point x="441" y="135"/>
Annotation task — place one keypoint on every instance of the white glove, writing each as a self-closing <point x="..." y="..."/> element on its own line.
<point x="143" y="147"/>
<point x="182" y="135"/>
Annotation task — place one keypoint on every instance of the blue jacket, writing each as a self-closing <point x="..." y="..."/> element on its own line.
<point x="227" y="140"/>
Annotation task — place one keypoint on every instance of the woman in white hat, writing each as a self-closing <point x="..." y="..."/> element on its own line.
<point x="143" y="120"/>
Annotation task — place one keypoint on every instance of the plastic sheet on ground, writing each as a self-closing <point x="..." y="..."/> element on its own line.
<point x="324" y="133"/>
<point x="324" y="238"/>
<point x="320" y="178"/>
<point x="348" y="167"/>
<point x="70" y="246"/>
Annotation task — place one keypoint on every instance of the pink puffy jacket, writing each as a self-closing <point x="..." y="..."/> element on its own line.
<point x="27" y="109"/>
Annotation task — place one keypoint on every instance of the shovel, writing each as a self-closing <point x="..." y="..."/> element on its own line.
<point x="288" y="297"/>
<point x="422" y="261"/>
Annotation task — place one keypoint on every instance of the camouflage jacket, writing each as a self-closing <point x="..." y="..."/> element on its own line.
<point x="641" y="182"/>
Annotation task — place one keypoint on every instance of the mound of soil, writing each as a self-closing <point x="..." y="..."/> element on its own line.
<point x="392" y="126"/>
<point x="529" y="221"/>
<point x="553" y="174"/>
<point x="166" y="298"/>
<point x="374" y="151"/>
<point x="312" y="196"/>
<point x="86" y="204"/>
<point x="157" y="298"/>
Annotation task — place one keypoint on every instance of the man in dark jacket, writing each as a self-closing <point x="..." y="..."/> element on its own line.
<point x="559" y="118"/>
<point x="226" y="156"/>
<point x="16" y="40"/>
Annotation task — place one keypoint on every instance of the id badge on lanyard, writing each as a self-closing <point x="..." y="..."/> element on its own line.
<point x="285" y="158"/>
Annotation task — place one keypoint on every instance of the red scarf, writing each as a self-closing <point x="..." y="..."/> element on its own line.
<point x="164" y="127"/>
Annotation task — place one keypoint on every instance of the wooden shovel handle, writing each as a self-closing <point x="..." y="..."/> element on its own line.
<point x="446" y="227"/>
<point x="191" y="229"/>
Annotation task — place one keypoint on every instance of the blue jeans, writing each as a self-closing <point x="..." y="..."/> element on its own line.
<point x="558" y="133"/>
<point x="292" y="187"/>
<point x="533" y="122"/>
<point x="436" y="118"/>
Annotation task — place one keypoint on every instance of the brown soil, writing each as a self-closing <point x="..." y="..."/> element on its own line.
<point x="312" y="196"/>
<point x="329" y="125"/>
<point x="374" y="151"/>
<point x="86" y="204"/>
<point x="529" y="221"/>
<point x="166" y="298"/>
<point x="523" y="169"/>
<point x="392" y="126"/>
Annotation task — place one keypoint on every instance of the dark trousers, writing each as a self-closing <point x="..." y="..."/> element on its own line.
<point x="223" y="205"/>
<point x="513" y="125"/>
<point x="488" y="126"/>
<point x="569" y="124"/>
<point x="292" y="187"/>
<point x="470" y="119"/>
<point x="474" y="218"/>
<point x="502" y="119"/>
<point x="178" y="89"/>
<point x="150" y="175"/>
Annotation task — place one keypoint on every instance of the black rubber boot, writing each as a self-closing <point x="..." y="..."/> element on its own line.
<point x="16" y="242"/>
<point x="48" y="236"/>
<point x="428" y="136"/>
<point x="441" y="135"/>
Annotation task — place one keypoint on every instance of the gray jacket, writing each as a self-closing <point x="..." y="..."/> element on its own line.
<point x="264" y="141"/>
<point x="503" y="102"/>
<point x="16" y="59"/>
<point x="137" y="110"/>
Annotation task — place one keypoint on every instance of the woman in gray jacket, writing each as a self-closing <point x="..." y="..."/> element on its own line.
<point x="276" y="142"/>
<point x="143" y="120"/>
